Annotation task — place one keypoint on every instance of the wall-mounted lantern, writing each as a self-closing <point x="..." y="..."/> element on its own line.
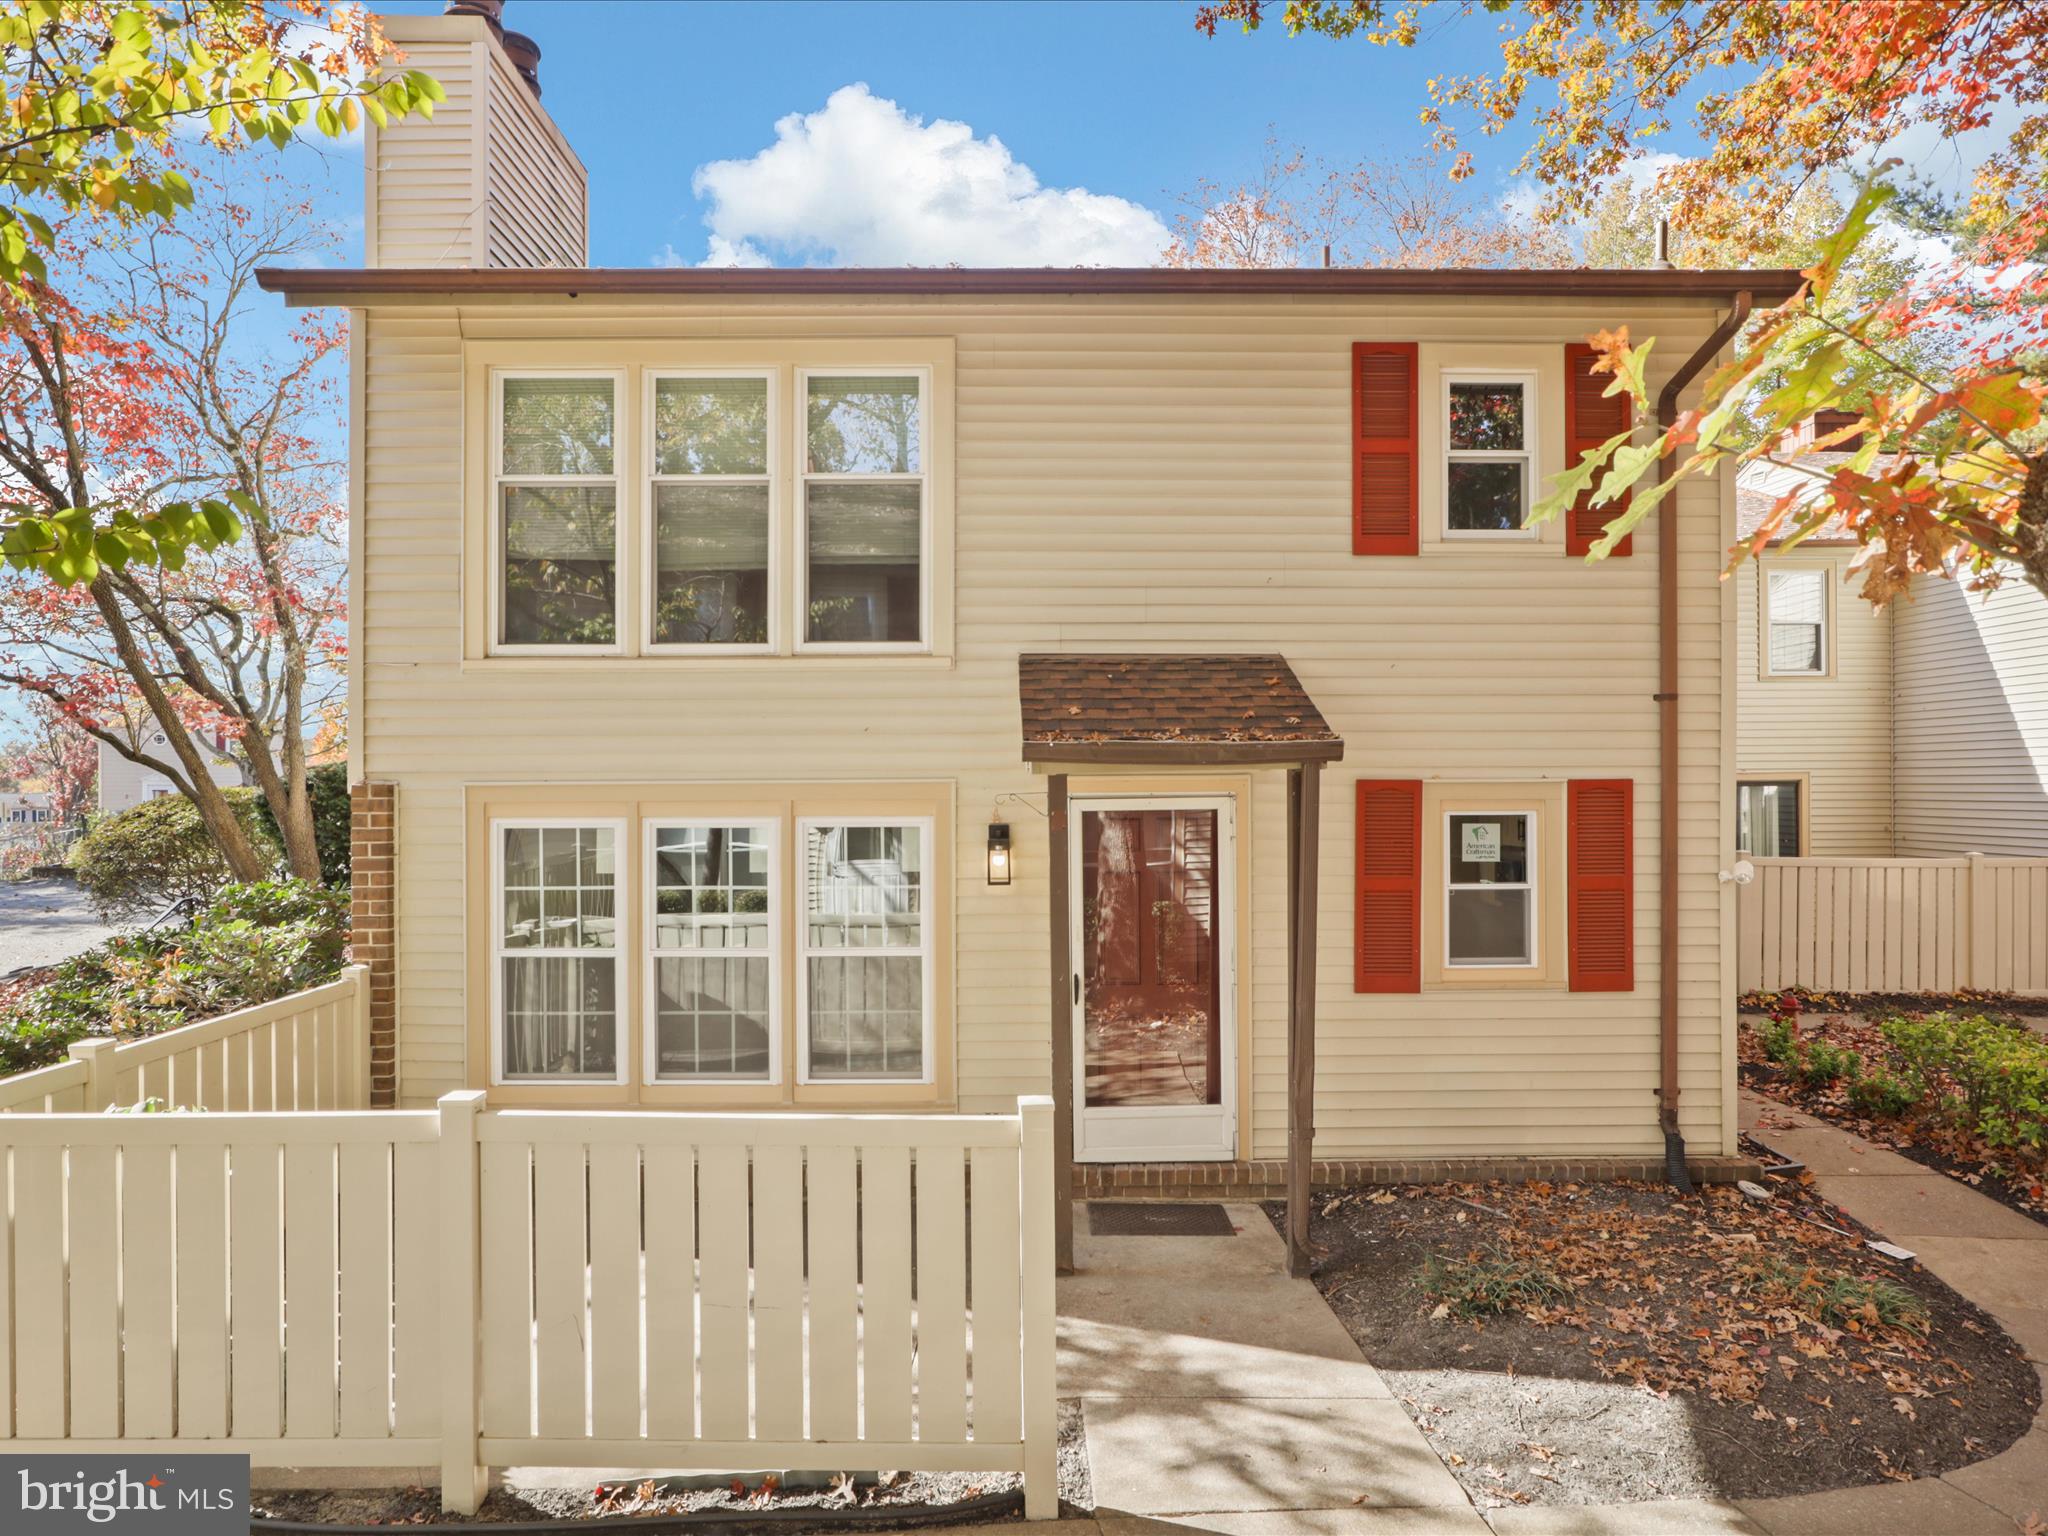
<point x="999" y="853"/>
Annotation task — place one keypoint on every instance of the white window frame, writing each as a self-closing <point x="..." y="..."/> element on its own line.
<point x="1532" y="884"/>
<point x="775" y="479"/>
<point x="802" y="480"/>
<point x="800" y="920"/>
<point x="621" y="990"/>
<point x="779" y="913"/>
<point x="1526" y="380"/>
<point x="499" y="480"/>
<point x="1770" y="574"/>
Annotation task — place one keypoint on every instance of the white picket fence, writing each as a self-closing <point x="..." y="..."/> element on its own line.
<point x="1894" y="925"/>
<point x="480" y="1288"/>
<point x="310" y="1050"/>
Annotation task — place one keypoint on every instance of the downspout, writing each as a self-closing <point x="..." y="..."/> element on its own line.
<point x="1667" y="751"/>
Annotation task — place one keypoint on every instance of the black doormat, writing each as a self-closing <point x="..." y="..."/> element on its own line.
<point x="1157" y="1218"/>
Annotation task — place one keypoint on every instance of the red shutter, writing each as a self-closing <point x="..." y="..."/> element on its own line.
<point x="1385" y="491"/>
<point x="1590" y="418"/>
<point x="1388" y="935"/>
<point x="1600" y="874"/>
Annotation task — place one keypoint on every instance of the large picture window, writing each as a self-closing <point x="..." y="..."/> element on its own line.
<point x="714" y="923"/>
<point x="712" y="495"/>
<point x="864" y="461"/>
<point x="555" y="510"/>
<point x="1489" y="437"/>
<point x="555" y="957"/>
<point x="865" y="961"/>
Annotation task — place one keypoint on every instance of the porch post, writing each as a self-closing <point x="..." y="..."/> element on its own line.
<point x="1062" y="1018"/>
<point x="1305" y="806"/>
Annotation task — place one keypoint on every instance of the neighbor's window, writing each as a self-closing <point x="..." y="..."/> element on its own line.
<point x="865" y="950"/>
<point x="1489" y="437"/>
<point x="557" y="954"/>
<point x="556" y="495"/>
<point x="1797" y="619"/>
<point x="713" y="927"/>
<point x="863" y="509"/>
<point x="1490" y="899"/>
<point x="1767" y="816"/>
<point x="712" y="507"/>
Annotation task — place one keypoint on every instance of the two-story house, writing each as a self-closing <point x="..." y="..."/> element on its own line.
<point x="914" y="688"/>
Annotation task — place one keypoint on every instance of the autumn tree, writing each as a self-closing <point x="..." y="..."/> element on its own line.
<point x="53" y="751"/>
<point x="97" y="100"/>
<point x="144" y="386"/>
<point x="1375" y="213"/>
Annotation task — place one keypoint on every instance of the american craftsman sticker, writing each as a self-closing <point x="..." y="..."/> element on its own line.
<point x="148" y="1494"/>
<point x="1481" y="842"/>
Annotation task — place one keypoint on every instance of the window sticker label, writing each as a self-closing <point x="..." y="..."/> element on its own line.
<point x="1479" y="842"/>
<point x="144" y="1494"/>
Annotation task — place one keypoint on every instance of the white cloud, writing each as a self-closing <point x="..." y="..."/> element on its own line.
<point x="861" y="182"/>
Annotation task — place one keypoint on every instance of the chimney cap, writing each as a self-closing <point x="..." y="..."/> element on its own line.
<point x="491" y="11"/>
<point x="524" y="53"/>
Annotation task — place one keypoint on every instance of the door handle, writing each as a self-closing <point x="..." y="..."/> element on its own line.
<point x="1077" y="988"/>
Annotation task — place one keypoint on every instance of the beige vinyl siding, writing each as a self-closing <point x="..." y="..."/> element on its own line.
<point x="1131" y="473"/>
<point x="487" y="181"/>
<point x="1972" y="747"/>
<point x="536" y="206"/>
<point x="1836" y="729"/>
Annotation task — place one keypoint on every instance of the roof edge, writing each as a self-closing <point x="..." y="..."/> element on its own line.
<point x="317" y="285"/>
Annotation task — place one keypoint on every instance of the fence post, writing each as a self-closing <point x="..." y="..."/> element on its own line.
<point x="1977" y="916"/>
<point x="358" y="977"/>
<point x="1041" y="1339"/>
<point x="98" y="1056"/>
<point x="462" y="1479"/>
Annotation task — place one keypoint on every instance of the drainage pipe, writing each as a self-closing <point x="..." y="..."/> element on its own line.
<point x="1667" y="749"/>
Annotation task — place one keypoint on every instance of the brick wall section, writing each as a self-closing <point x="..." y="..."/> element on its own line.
<point x="373" y="849"/>
<point x="1268" y="1180"/>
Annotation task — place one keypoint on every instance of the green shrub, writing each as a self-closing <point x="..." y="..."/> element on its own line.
<point x="1780" y="1037"/>
<point x="1883" y="1094"/>
<point x="1490" y="1282"/>
<point x="160" y="851"/>
<point x="1825" y="1063"/>
<point x="327" y="788"/>
<point x="251" y="944"/>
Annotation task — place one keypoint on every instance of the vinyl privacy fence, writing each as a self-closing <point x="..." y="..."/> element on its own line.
<point x="480" y="1288"/>
<point x="306" y="1051"/>
<point x="1894" y="925"/>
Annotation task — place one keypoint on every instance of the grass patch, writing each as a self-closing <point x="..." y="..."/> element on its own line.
<point x="1489" y="1282"/>
<point x="1854" y="1302"/>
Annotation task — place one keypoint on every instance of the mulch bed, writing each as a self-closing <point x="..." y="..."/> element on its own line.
<point x="1687" y="1355"/>
<point x="1941" y="1147"/>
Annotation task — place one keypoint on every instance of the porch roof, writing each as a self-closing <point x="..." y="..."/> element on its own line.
<point x="1178" y="710"/>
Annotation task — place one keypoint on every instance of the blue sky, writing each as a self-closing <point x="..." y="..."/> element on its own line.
<point x="1121" y="99"/>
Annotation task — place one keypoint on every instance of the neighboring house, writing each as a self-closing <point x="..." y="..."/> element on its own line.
<point x="883" y="689"/>
<point x="1915" y="730"/>
<point x="124" y="782"/>
<point x="24" y="812"/>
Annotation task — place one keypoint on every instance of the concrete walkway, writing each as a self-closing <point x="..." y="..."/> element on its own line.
<point x="1222" y="1396"/>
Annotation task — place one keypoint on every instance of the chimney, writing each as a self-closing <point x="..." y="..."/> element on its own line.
<point x="488" y="180"/>
<point x="1662" y="258"/>
<point x="1803" y="434"/>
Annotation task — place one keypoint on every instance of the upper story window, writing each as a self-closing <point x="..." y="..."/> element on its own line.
<point x="1796" y="623"/>
<point x="713" y="498"/>
<point x="863" y="510"/>
<point x="1490" y="435"/>
<point x="555" y="502"/>
<point x="765" y="501"/>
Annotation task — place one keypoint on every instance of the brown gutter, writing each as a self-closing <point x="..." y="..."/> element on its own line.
<point x="1667" y="747"/>
<point x="307" y="285"/>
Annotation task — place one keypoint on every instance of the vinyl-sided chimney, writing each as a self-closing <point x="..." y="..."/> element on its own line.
<point x="488" y="181"/>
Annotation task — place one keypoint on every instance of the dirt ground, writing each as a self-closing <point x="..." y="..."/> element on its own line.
<point x="883" y="1500"/>
<point x="1663" y="1368"/>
